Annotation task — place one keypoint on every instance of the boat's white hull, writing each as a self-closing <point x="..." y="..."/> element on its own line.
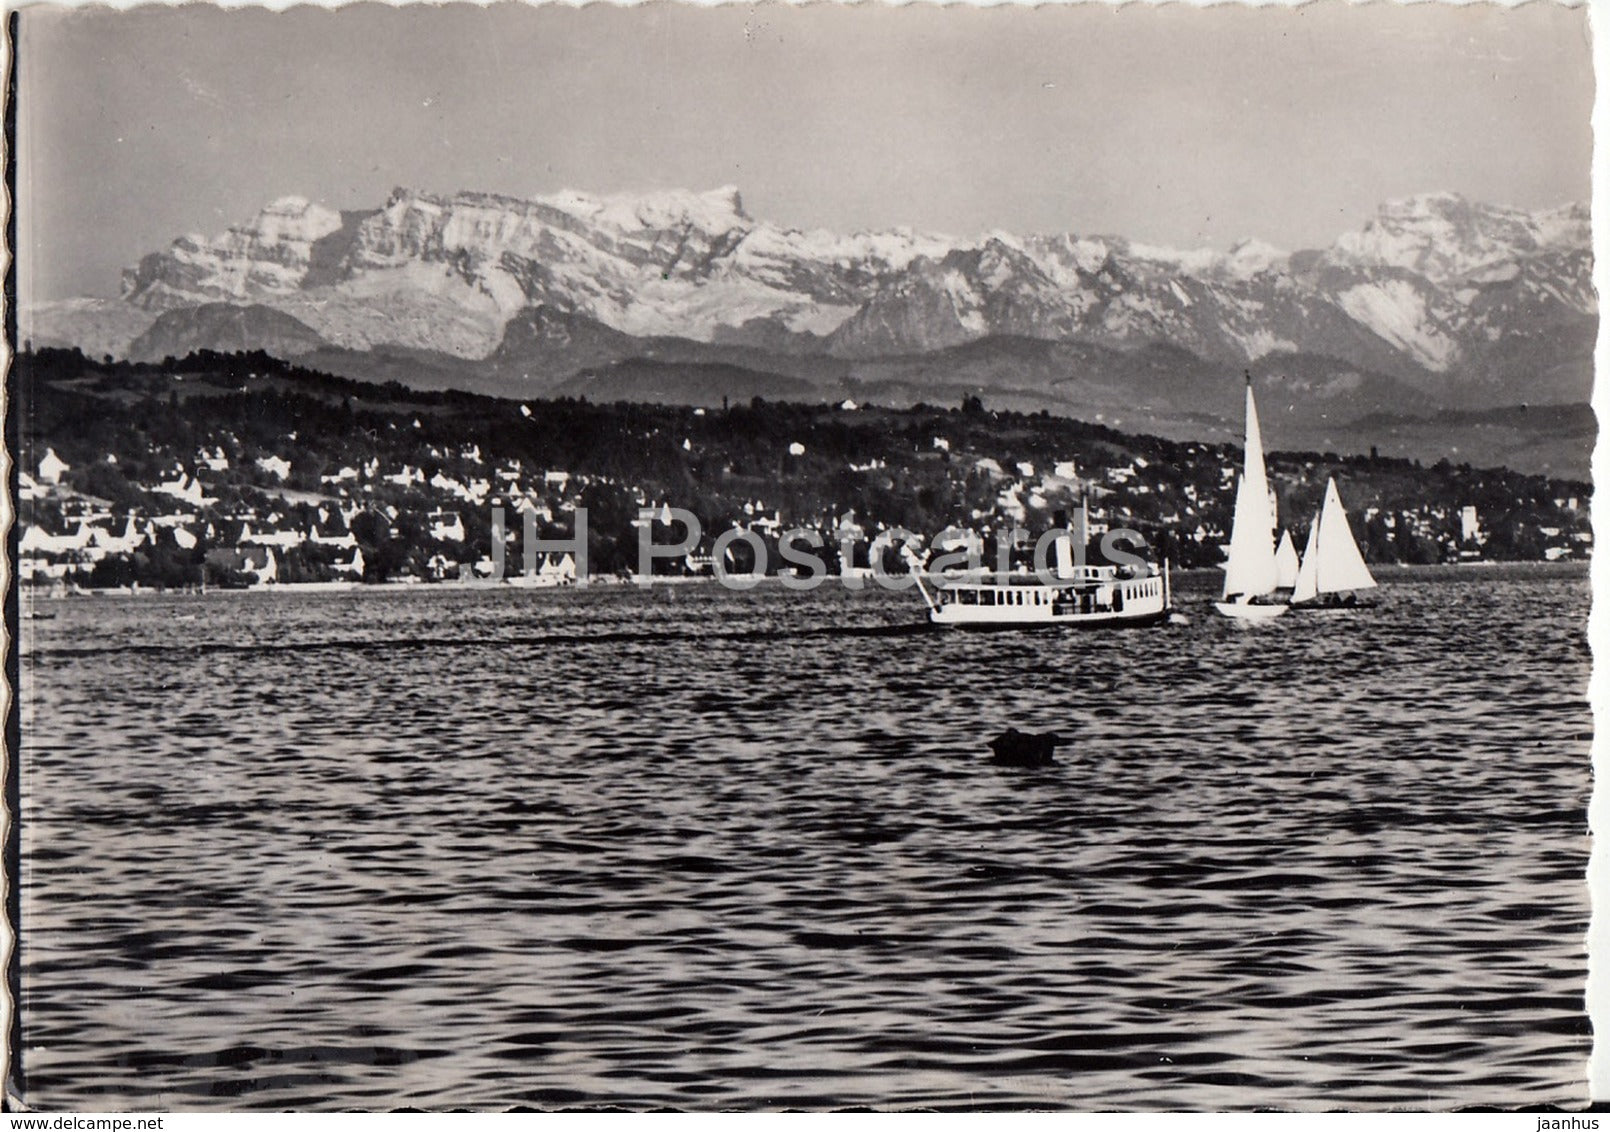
<point x="1134" y="601"/>
<point x="1250" y="611"/>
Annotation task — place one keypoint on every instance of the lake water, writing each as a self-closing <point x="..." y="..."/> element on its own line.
<point x="697" y="849"/>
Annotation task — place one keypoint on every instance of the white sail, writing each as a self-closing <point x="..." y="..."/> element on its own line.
<point x="1341" y="566"/>
<point x="1306" y="588"/>
<point x="1286" y="562"/>
<point x="1251" y="569"/>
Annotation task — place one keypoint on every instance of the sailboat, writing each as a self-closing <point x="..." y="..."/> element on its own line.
<point x="1287" y="565"/>
<point x="1333" y="570"/>
<point x="1252" y="573"/>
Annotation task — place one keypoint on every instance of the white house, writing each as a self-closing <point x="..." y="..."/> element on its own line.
<point x="37" y="540"/>
<point x="52" y="467"/>
<point x="32" y="569"/>
<point x="521" y="504"/>
<point x="446" y="526"/>
<point x="958" y="539"/>
<point x="185" y="489"/>
<point x="258" y="562"/>
<point x="352" y="566"/>
<point x="103" y="542"/>
<point x="1010" y="502"/>
<point x="343" y="538"/>
<point x="557" y="569"/>
<point x="276" y="466"/>
<point x="269" y="568"/>
<point x="284" y="539"/>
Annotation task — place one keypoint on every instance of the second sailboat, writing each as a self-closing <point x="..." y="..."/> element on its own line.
<point x="1252" y="573"/>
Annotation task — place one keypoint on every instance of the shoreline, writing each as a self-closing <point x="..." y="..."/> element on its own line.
<point x="1383" y="570"/>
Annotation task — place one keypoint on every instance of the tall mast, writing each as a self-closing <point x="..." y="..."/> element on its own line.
<point x="1251" y="569"/>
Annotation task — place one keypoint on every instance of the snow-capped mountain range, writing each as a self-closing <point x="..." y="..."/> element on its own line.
<point x="1461" y="302"/>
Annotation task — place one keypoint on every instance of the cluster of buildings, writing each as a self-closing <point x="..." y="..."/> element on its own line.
<point x="66" y="535"/>
<point x="231" y="514"/>
<point x="202" y="520"/>
<point x="1459" y="535"/>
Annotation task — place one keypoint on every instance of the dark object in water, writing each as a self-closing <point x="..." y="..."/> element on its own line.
<point x="1019" y="748"/>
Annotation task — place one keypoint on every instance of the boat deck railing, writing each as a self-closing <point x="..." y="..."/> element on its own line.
<point x="1082" y="575"/>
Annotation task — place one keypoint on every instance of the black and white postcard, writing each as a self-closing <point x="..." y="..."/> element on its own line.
<point x="820" y="557"/>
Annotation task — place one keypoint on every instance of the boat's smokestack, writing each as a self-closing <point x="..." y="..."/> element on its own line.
<point x="1074" y="535"/>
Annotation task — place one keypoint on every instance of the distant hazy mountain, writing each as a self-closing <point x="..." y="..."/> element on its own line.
<point x="226" y="328"/>
<point x="1437" y="301"/>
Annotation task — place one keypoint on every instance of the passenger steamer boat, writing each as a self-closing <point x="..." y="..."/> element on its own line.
<point x="1092" y="596"/>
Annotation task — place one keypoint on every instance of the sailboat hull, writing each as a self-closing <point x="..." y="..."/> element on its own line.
<point x="1249" y="611"/>
<point x="1332" y="603"/>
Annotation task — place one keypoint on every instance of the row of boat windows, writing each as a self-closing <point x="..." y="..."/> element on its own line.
<point x="994" y="597"/>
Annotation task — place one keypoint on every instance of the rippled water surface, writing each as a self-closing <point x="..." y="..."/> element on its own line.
<point x="698" y="849"/>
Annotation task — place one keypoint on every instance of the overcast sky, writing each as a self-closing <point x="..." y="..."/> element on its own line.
<point x="1175" y="125"/>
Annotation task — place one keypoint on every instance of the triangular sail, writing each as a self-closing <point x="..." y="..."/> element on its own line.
<point x="1251" y="569"/>
<point x="1286" y="562"/>
<point x="1306" y="588"/>
<point x="1341" y="566"/>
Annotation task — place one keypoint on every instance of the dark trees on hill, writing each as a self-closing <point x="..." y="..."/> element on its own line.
<point x="881" y="463"/>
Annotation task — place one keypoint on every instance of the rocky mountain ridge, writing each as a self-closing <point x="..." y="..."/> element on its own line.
<point x="1466" y="303"/>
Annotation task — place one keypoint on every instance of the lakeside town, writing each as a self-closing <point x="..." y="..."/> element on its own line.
<point x="243" y="471"/>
